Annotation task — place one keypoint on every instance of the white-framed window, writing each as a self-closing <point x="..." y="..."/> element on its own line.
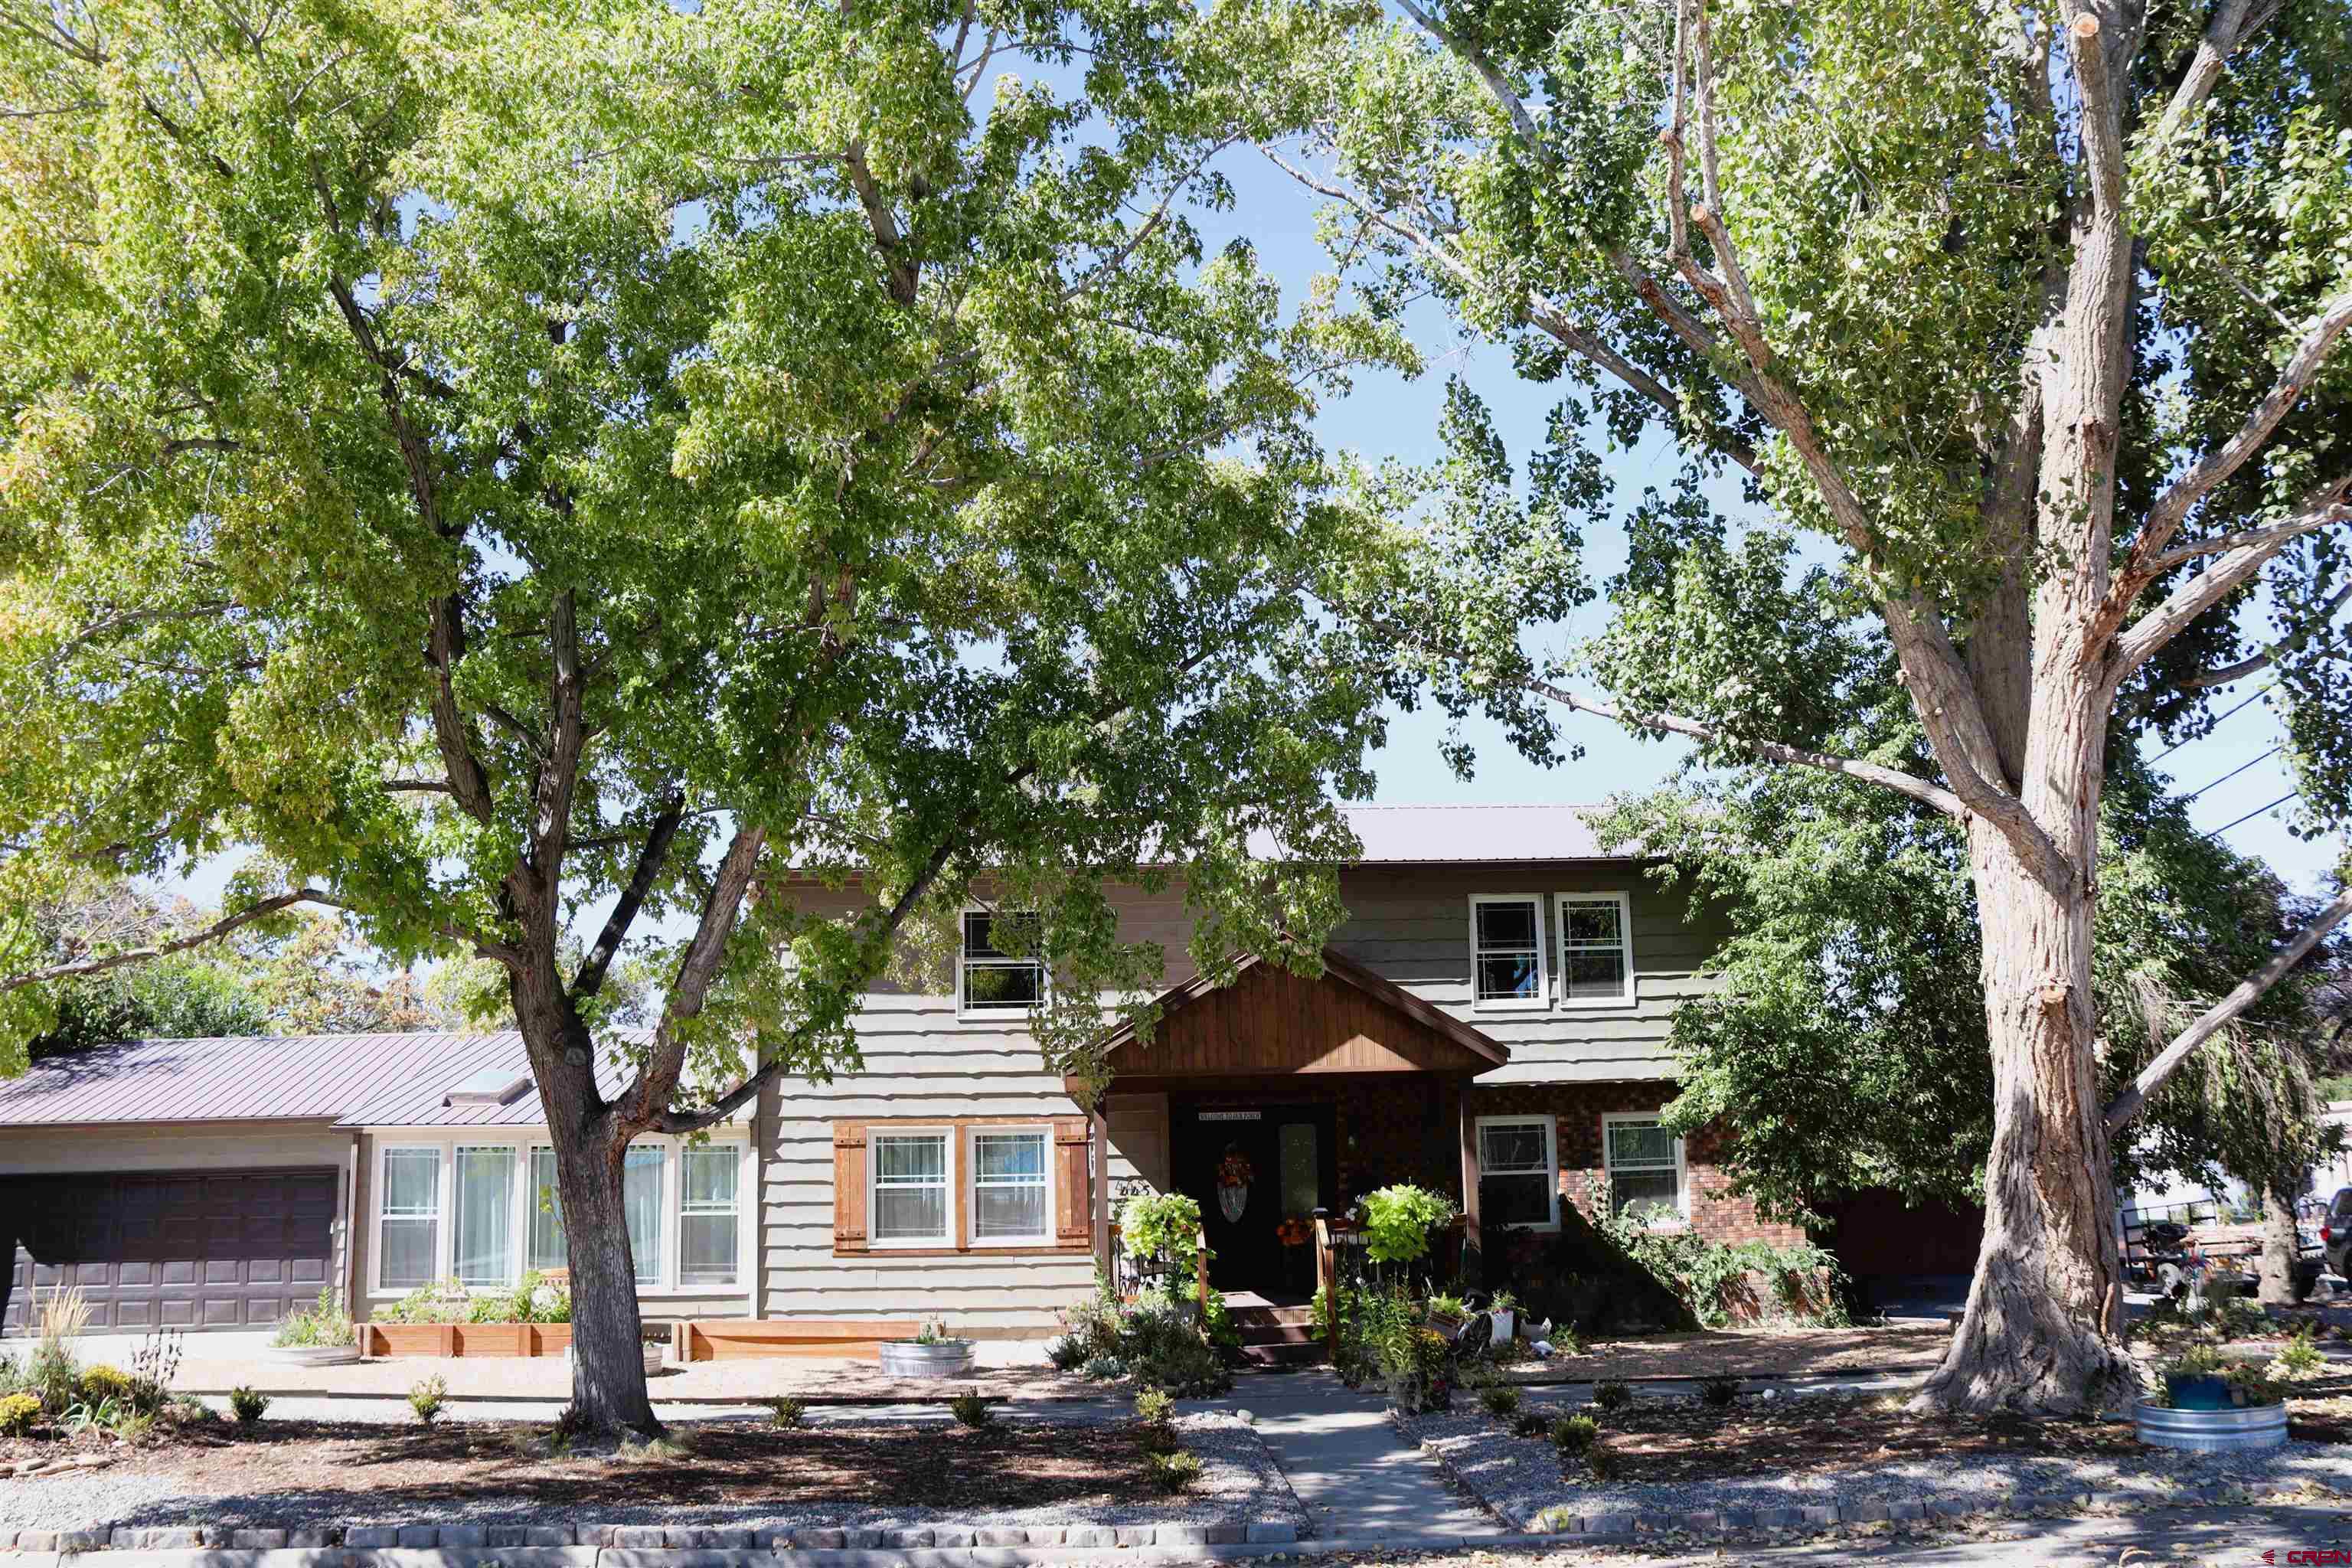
<point x="1507" y="967"/>
<point x="998" y="970"/>
<point x="1645" y="1167"/>
<point x="910" y="1187"/>
<point x="484" y="1251"/>
<point x="1596" y="949"/>
<point x="1518" y="1172"/>
<point x="1011" y="1186"/>
<point x="451" y="1205"/>
<point x="408" y="1219"/>
<point x="708" y="1235"/>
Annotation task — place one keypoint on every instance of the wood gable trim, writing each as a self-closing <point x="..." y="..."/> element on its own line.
<point x="1266" y="1021"/>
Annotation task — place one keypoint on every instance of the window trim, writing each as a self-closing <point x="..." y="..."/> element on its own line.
<point x="517" y="1243"/>
<point x="971" y="1012"/>
<point x="1682" y="1167"/>
<point x="965" y="1195"/>
<point x="1542" y="999"/>
<point x="1624" y="902"/>
<point x="1550" y="1125"/>
<point x="946" y="1133"/>
<point x="1062" y="1130"/>
<point x="443" y="1143"/>
<point x="681" y="1212"/>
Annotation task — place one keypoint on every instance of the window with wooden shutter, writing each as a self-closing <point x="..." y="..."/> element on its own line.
<point x="987" y="1154"/>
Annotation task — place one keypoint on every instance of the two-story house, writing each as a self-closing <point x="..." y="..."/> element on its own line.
<point x="1491" y="1021"/>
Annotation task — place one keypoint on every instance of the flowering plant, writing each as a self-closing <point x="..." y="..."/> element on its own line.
<point x="1235" y="1170"/>
<point x="1293" y="1231"/>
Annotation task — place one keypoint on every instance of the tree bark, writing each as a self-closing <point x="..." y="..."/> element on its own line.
<point x="2043" y="1319"/>
<point x="2274" y="1272"/>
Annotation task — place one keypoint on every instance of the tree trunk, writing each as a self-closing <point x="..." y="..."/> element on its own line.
<point x="608" y="1369"/>
<point x="2275" y="1275"/>
<point x="2043" y="1316"/>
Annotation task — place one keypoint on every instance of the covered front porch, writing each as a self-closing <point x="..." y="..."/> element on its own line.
<point x="1274" y="1096"/>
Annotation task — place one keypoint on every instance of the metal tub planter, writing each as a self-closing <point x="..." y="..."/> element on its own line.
<point x="926" y="1358"/>
<point x="2226" y="1430"/>
<point x="313" y="1355"/>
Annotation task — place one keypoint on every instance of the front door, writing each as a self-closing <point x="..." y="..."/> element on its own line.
<point x="1250" y="1169"/>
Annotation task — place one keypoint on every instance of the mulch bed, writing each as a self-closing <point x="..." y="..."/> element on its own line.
<point x="948" y="1469"/>
<point x="1734" y="1352"/>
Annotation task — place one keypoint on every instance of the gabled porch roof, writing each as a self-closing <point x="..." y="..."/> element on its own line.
<point x="1268" y="1022"/>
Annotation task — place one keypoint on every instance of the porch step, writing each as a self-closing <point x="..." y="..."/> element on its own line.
<point x="1277" y="1336"/>
<point x="1306" y="1354"/>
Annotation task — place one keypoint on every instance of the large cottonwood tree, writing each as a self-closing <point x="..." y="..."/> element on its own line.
<point x="553" y="469"/>
<point x="2024" y="322"/>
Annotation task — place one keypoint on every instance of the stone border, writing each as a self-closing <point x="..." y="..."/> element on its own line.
<point x="1621" y="1524"/>
<point x="641" y="1537"/>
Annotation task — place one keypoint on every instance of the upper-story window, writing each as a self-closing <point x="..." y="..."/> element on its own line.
<point x="1507" y="951"/>
<point x="999" y="970"/>
<point x="1596" y="948"/>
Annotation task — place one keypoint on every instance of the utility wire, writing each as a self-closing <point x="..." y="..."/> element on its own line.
<point x="2233" y="773"/>
<point x="2239" y="709"/>
<point x="2217" y="832"/>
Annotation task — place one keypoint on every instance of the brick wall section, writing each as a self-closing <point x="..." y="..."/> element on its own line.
<point x="1578" y="1109"/>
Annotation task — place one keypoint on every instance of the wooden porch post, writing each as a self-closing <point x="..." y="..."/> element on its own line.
<point x="1469" y="1126"/>
<point x="1098" y="1181"/>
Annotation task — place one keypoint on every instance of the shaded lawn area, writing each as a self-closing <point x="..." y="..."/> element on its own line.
<point x="1683" y="1440"/>
<point x="953" y="1468"/>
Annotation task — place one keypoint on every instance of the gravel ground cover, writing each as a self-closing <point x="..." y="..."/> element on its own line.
<point x="1745" y="1353"/>
<point x="1863" y="1456"/>
<point x="1031" y="1471"/>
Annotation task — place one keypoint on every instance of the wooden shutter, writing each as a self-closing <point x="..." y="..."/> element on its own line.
<point x="849" y="1186"/>
<point x="1073" y="1193"/>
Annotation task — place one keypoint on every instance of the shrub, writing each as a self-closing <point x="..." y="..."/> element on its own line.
<point x="317" y="1326"/>
<point x="426" y="1397"/>
<point x="1501" y="1399"/>
<point x="1602" y="1460"/>
<point x="1155" y="1407"/>
<point x="153" y="1366"/>
<point x="1416" y="1367"/>
<point x="1165" y="1351"/>
<point x="1068" y="1353"/>
<point x="102" y="1382"/>
<point x="2301" y="1357"/>
<point x="1575" y="1434"/>
<point x="1372" y="1318"/>
<point x="247" y="1405"/>
<point x="972" y="1410"/>
<point x="1165" y="1225"/>
<point x="17" y="1414"/>
<point x="788" y="1413"/>
<point x="53" y="1372"/>
<point x="1534" y="1424"/>
<point x="1721" y="1392"/>
<point x="1171" y="1472"/>
<point x="1106" y="1369"/>
<point x="1224" y="1335"/>
<point x="1612" y="1394"/>
<point x="1397" y="1220"/>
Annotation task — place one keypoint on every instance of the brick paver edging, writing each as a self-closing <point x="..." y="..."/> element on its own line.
<point x="1554" y="1522"/>
<point x="639" y="1537"/>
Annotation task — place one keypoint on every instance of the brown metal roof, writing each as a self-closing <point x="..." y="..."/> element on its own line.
<point x="352" y="1081"/>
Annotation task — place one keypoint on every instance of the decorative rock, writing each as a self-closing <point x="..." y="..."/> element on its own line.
<point x="1181" y="1535"/>
<point x="414" y="1535"/>
<point x="257" y="1540"/>
<point x="1740" y="1519"/>
<point x="1090" y="1535"/>
<point x="864" y="1540"/>
<point x="1654" y="1522"/>
<point x="1946" y="1507"/>
<point x="1906" y="1509"/>
<point x="1272" y="1530"/>
<point x="463" y="1535"/>
<point x="685" y="1538"/>
<point x="312" y="1538"/>
<point x="904" y="1539"/>
<point x="1821" y="1513"/>
<point x="1130" y="1535"/>
<point x="1872" y="1512"/>
<point x="727" y="1540"/>
<point x="642" y="1537"/>
<point x="996" y="1535"/>
<point x="37" y="1540"/>
<point x="81" y="1540"/>
<point x="1780" y="1517"/>
<point x="774" y="1540"/>
<point x="371" y="1537"/>
<point x="821" y="1539"/>
<point x="1710" y="1522"/>
<point x="1229" y="1534"/>
<point x="951" y="1535"/>
<point x="1045" y="1534"/>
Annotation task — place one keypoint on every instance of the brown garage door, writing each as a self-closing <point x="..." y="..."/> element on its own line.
<point x="172" y="1249"/>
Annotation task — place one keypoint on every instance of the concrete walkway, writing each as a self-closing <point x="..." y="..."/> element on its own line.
<point x="1356" y="1478"/>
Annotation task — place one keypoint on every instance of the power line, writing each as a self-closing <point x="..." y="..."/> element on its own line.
<point x="2239" y="709"/>
<point x="2217" y="832"/>
<point x="2233" y="773"/>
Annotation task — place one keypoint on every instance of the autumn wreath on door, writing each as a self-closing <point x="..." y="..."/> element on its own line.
<point x="1234" y="1173"/>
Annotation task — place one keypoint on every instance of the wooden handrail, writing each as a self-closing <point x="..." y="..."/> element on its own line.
<point x="1326" y="1280"/>
<point x="1200" y="1269"/>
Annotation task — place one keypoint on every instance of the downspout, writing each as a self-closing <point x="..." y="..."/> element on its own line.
<point x="351" y="1226"/>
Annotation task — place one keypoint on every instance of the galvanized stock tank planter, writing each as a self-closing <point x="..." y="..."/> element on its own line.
<point x="2226" y="1430"/>
<point x="918" y="1358"/>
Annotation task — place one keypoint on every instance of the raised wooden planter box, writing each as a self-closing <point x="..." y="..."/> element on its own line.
<point x="729" y="1339"/>
<point x="464" y="1338"/>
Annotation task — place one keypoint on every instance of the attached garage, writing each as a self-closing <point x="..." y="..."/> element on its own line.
<point x="192" y="1249"/>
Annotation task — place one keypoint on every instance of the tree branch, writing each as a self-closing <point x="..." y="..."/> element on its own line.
<point x="213" y="933"/>
<point x="2245" y="555"/>
<point x="2257" y="663"/>
<point x="644" y="1102"/>
<point x="590" y="978"/>
<point x="2126" y="1105"/>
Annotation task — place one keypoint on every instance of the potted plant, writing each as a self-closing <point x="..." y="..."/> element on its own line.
<point x="2209" y="1404"/>
<point x="933" y="1353"/>
<point x="1447" y="1312"/>
<point x="320" y="1335"/>
<point x="1504" y="1311"/>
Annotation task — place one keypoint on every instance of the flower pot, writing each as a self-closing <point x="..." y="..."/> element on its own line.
<point x="312" y="1355"/>
<point x="2227" y="1430"/>
<point x="1506" y="1320"/>
<point x="941" y="1358"/>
